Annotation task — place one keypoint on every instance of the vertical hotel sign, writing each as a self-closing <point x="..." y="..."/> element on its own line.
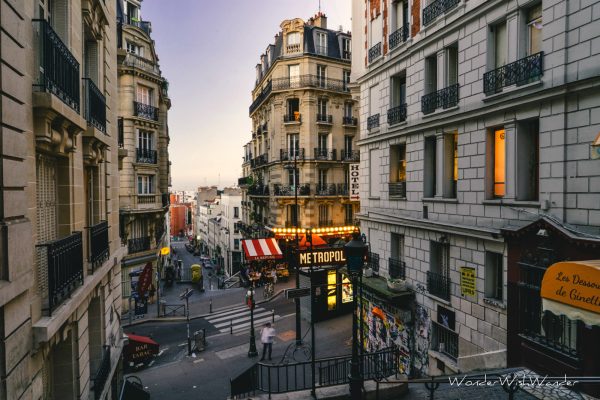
<point x="354" y="185"/>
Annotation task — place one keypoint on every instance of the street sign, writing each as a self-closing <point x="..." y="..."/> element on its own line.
<point x="186" y="294"/>
<point x="296" y="293"/>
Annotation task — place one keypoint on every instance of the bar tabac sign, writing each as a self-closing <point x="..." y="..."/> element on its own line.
<point x="354" y="182"/>
<point x="574" y="283"/>
<point x="321" y="257"/>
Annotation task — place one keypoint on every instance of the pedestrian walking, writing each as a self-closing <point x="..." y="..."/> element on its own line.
<point x="266" y="337"/>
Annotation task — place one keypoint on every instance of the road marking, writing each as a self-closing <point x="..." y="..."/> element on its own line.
<point x="242" y="319"/>
<point x="199" y="360"/>
<point x="246" y="325"/>
<point x="182" y="344"/>
<point x="230" y="311"/>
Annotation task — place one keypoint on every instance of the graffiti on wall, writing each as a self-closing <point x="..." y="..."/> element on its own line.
<point x="421" y="345"/>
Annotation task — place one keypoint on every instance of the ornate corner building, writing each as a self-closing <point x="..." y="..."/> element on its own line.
<point x="478" y="121"/>
<point x="60" y="261"/>
<point x="304" y="129"/>
<point x="144" y="167"/>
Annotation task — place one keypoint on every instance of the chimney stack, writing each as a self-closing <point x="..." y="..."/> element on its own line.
<point x="321" y="20"/>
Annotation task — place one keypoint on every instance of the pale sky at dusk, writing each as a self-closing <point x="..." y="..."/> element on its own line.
<point x="208" y="51"/>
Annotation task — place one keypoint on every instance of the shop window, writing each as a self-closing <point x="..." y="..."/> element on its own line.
<point x="494" y="276"/>
<point x="331" y="290"/>
<point x="347" y="293"/>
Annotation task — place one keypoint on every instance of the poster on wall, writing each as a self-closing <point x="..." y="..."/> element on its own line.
<point x="467" y="281"/>
<point x="446" y="318"/>
<point x="354" y="182"/>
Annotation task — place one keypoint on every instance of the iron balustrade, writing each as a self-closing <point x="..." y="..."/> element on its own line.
<point x="325" y="118"/>
<point x="64" y="263"/>
<point x="95" y="105"/>
<point x="146" y="156"/>
<point x="350" y="155"/>
<point x="444" y="98"/>
<point x="287" y="118"/>
<point x="373" y="261"/>
<point x="58" y="68"/>
<point x="398" y="36"/>
<point x="350" y="121"/>
<point x="438" y="285"/>
<point x="342" y="189"/>
<point x="145" y="111"/>
<point x="259" y="161"/>
<point x="310" y="81"/>
<point x="135" y="61"/>
<point x="397" y="189"/>
<point x="397" y="268"/>
<point x="373" y="121"/>
<point x="258" y="190"/>
<point x="121" y="134"/>
<point x="526" y="70"/>
<point x="289" y="190"/>
<point x="396" y="114"/>
<point x="325" y="189"/>
<point x="291" y="154"/>
<point x="143" y="25"/>
<point x="437" y="8"/>
<point x="102" y="374"/>
<point x="98" y="244"/>
<point x="374" y="52"/>
<point x="138" y="244"/>
<point x="262" y="96"/>
<point x="444" y="340"/>
<point x="325" y="154"/>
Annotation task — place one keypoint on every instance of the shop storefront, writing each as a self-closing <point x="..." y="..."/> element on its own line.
<point x="333" y="292"/>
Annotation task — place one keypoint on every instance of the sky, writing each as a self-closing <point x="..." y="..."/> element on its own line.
<point x="207" y="51"/>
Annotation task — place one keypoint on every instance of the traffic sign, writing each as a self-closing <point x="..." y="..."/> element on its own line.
<point x="296" y="293"/>
<point x="186" y="294"/>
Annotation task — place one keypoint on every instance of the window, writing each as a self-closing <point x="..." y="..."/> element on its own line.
<point x="346" y="79"/>
<point x="236" y="212"/>
<point x="144" y="95"/>
<point x="323" y="214"/>
<point x="293" y="141"/>
<point x="376" y="31"/>
<point x="135" y="49"/>
<point x="321" y="43"/>
<point x="450" y="167"/>
<point x="494" y="276"/>
<point x="323" y="141"/>
<point x="236" y="244"/>
<point x="431" y="74"/>
<point x="346" y="48"/>
<point x="348" y="109"/>
<point x="293" y="177"/>
<point x="534" y="30"/>
<point x="56" y="12"/>
<point x="441" y="80"/>
<point x="438" y="281"/>
<point x="321" y="75"/>
<point x="497" y="175"/>
<point x="133" y="13"/>
<point x="348" y="144"/>
<point x="145" y="184"/>
<point x="398" y="90"/>
<point x="527" y="172"/>
<point x="145" y="140"/>
<point x="429" y="180"/>
<point x="322" y="178"/>
<point x="294" y="74"/>
<point x="500" y="44"/>
<point x="374" y="173"/>
<point x="292" y="215"/>
<point x="293" y="42"/>
<point x="322" y="109"/>
<point x="397" y="181"/>
<point x="348" y="214"/>
<point x="293" y="106"/>
<point x="373" y="120"/>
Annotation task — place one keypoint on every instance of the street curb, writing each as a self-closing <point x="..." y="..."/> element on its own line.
<point x="179" y="319"/>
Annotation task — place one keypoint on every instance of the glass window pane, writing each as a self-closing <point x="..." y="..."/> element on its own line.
<point x="499" y="162"/>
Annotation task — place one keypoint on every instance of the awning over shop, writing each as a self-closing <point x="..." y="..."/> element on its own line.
<point x="140" y="349"/>
<point x="572" y="288"/>
<point x="261" y="249"/>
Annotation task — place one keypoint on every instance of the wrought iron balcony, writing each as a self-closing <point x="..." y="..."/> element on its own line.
<point x="61" y="268"/>
<point x="325" y="154"/>
<point x="102" y="373"/>
<point x="95" y="105"/>
<point x="121" y="134"/>
<point x="326" y="189"/>
<point x="145" y="111"/>
<point x="146" y="156"/>
<point x="398" y="36"/>
<point x="258" y="190"/>
<point x="138" y="245"/>
<point x="289" y="190"/>
<point x="324" y="119"/>
<point x="350" y="155"/>
<point x="98" y="244"/>
<point x="374" y="52"/>
<point x="350" y="121"/>
<point x="342" y="189"/>
<point x="444" y="340"/>
<point x="290" y="154"/>
<point x="397" y="189"/>
<point x="373" y="261"/>
<point x="373" y="121"/>
<point x="397" y="114"/>
<point x="264" y="93"/>
<point x="438" y="285"/>
<point x="520" y="72"/>
<point x="259" y="161"/>
<point x="310" y="81"/>
<point x="437" y="8"/>
<point x="397" y="268"/>
<point x="444" y="98"/>
<point x="293" y="118"/>
<point x="58" y="68"/>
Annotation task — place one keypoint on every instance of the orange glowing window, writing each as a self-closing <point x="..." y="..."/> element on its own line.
<point x="499" y="163"/>
<point x="455" y="157"/>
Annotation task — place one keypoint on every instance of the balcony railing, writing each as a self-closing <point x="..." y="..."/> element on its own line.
<point x="95" y="105"/>
<point x="342" y="189"/>
<point x="326" y="189"/>
<point x="139" y="244"/>
<point x="62" y="266"/>
<point x="324" y="119"/>
<point x="289" y="190"/>
<point x="143" y="25"/>
<point x="258" y="190"/>
<point x="397" y="114"/>
<point x="350" y="121"/>
<point x="398" y="36"/>
<point x="146" y="156"/>
<point x="373" y="121"/>
<point x="135" y="61"/>
<point x="325" y="154"/>
<point x="146" y="199"/>
<point x="397" y="268"/>
<point x="437" y="8"/>
<point x="264" y="93"/>
<point x="293" y="118"/>
<point x="346" y="55"/>
<point x="520" y="72"/>
<point x="350" y="155"/>
<point x="374" y="52"/>
<point x="310" y="81"/>
<point x="293" y="48"/>
<point x="290" y="154"/>
<point x="444" y="340"/>
<point x="444" y="98"/>
<point x="58" y="68"/>
<point x="373" y="261"/>
<point x="145" y="111"/>
<point x="102" y="374"/>
<point x="121" y="134"/>
<point x="438" y="285"/>
<point x="259" y="161"/>
<point x="397" y="189"/>
<point x="98" y="244"/>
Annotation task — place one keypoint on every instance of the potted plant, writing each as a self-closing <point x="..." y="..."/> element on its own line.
<point x="396" y="285"/>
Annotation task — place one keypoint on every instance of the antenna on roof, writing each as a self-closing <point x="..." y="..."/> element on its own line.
<point x="319" y="6"/>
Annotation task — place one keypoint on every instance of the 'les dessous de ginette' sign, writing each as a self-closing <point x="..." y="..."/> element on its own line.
<point x="320" y="257"/>
<point x="354" y="179"/>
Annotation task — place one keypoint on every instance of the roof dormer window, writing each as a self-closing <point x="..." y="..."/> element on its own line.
<point x="293" y="42"/>
<point x="321" y="47"/>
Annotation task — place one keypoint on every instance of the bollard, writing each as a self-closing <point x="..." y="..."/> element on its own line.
<point x="210" y="306"/>
<point x="231" y="327"/>
<point x="273" y="312"/>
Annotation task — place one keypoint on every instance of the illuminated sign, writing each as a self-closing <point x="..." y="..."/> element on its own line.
<point x="354" y="182"/>
<point x="574" y="283"/>
<point x="322" y="257"/>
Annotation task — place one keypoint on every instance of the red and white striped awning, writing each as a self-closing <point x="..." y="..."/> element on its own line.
<point x="261" y="249"/>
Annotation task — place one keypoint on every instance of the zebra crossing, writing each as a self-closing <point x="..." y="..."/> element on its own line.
<point x="238" y="319"/>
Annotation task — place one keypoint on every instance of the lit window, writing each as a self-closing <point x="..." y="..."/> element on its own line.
<point x="499" y="163"/>
<point x="534" y="27"/>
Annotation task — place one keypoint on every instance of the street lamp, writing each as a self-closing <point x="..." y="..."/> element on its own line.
<point x="354" y="252"/>
<point x="250" y="299"/>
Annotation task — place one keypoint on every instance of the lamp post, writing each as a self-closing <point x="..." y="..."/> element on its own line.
<point x="296" y="300"/>
<point x="354" y="252"/>
<point x="250" y="296"/>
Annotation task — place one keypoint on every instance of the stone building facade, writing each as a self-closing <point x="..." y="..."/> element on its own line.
<point x="59" y="241"/>
<point x="143" y="145"/>
<point x="477" y="119"/>
<point x="304" y="129"/>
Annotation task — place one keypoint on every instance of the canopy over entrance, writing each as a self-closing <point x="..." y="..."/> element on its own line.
<point x="261" y="249"/>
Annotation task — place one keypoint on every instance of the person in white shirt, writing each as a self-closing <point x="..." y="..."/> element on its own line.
<point x="266" y="337"/>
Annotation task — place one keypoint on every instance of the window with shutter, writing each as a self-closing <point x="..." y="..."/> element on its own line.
<point x="46" y="213"/>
